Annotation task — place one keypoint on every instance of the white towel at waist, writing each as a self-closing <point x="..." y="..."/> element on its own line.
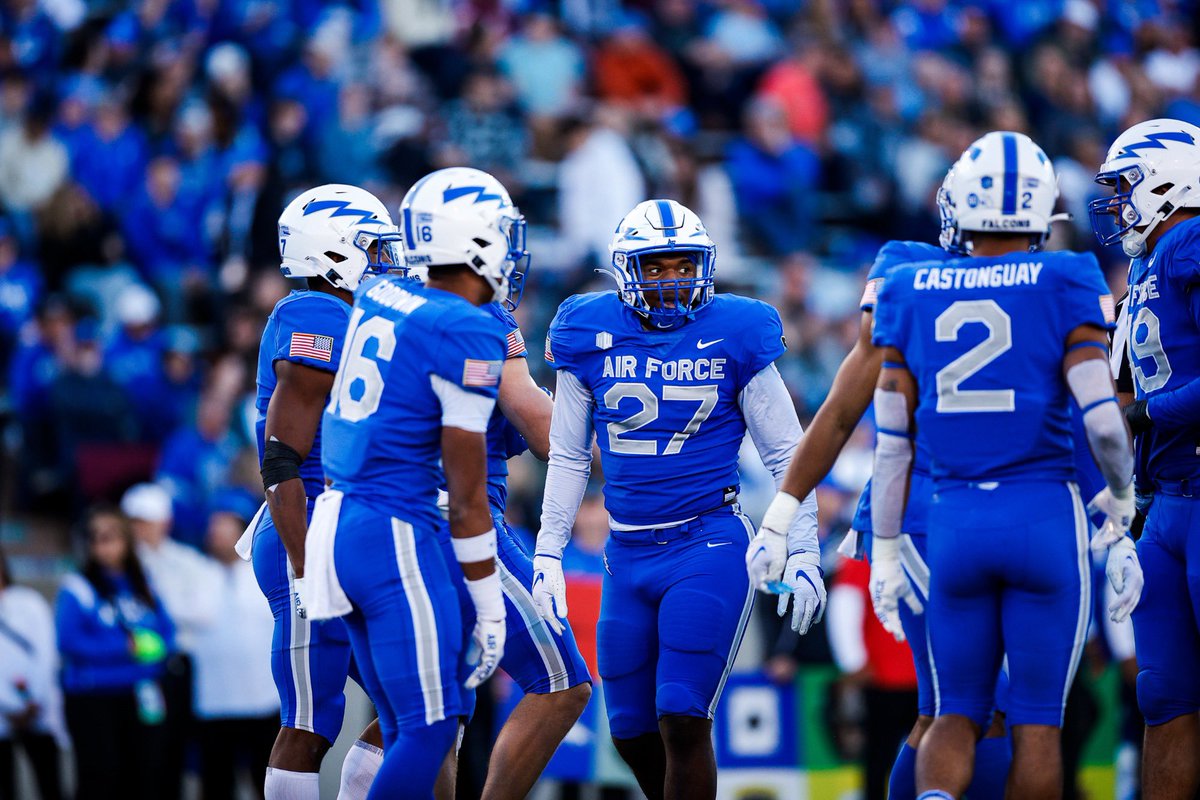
<point x="245" y="544"/>
<point x="325" y="596"/>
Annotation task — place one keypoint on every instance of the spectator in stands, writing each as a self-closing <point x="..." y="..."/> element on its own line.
<point x="633" y="71"/>
<point x="236" y="703"/>
<point x="775" y="178"/>
<point x="114" y="637"/>
<point x="111" y="156"/>
<point x="187" y="582"/>
<point x="31" y="715"/>
<point x="484" y="130"/>
<point x="21" y="289"/>
<point x="33" y="165"/>
<point x="134" y="355"/>
<point x="545" y="68"/>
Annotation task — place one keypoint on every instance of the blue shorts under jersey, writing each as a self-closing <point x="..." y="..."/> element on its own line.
<point x="674" y="607"/>
<point x="1164" y="622"/>
<point x="406" y="627"/>
<point x="310" y="661"/>
<point x="983" y="536"/>
<point x="537" y="658"/>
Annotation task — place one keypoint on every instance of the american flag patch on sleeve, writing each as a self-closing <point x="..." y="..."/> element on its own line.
<point x="481" y="373"/>
<point x="548" y="355"/>
<point x="871" y="292"/>
<point x="516" y="344"/>
<point x="311" y="345"/>
<point x="1108" y="308"/>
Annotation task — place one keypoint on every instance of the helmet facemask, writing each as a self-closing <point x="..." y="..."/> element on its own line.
<point x="667" y="303"/>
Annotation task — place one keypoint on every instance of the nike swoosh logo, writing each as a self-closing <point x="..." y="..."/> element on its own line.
<point x="718" y="544"/>
<point x="701" y="344"/>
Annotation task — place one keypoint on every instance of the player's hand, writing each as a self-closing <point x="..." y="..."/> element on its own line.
<point x="485" y="650"/>
<point x="1125" y="575"/>
<point x="766" y="557"/>
<point x="803" y="574"/>
<point x="299" y="597"/>
<point x="550" y="591"/>
<point x="1117" y="509"/>
<point x="1137" y="415"/>
<point x="889" y="585"/>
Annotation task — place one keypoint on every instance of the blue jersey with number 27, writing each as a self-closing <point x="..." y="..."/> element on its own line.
<point x="665" y="403"/>
<point x="984" y="337"/>
<point x="383" y="426"/>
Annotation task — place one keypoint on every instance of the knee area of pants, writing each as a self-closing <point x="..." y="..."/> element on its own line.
<point x="677" y="699"/>
<point x="624" y="725"/>
<point x="1162" y="700"/>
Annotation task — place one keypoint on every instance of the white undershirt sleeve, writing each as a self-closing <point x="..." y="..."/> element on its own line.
<point x="775" y="429"/>
<point x="570" y="463"/>
<point x="893" y="461"/>
<point x="461" y="409"/>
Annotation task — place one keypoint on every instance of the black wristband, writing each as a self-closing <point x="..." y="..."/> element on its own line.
<point x="1138" y="417"/>
<point x="280" y="463"/>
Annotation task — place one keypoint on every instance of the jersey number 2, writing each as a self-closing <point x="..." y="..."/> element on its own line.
<point x="358" y="370"/>
<point x="952" y="399"/>
<point x="706" y="396"/>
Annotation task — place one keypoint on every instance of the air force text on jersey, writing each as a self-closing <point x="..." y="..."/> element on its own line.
<point x="683" y="369"/>
<point x="1017" y="273"/>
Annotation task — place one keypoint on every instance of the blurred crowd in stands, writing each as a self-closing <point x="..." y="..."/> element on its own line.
<point x="147" y="148"/>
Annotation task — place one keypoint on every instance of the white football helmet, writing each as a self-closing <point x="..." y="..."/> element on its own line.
<point x="1155" y="168"/>
<point x="1003" y="183"/>
<point x="464" y="217"/>
<point x="339" y="233"/>
<point x="663" y="226"/>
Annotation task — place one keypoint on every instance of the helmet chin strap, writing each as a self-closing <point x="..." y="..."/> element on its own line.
<point x="1134" y="242"/>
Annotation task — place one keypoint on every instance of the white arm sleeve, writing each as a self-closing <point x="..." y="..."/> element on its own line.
<point x="775" y="429"/>
<point x="461" y="409"/>
<point x="893" y="460"/>
<point x="844" y="621"/>
<point x="1092" y="386"/>
<point x="570" y="463"/>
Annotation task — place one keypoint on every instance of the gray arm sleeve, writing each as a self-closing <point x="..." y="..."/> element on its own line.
<point x="893" y="460"/>
<point x="775" y="429"/>
<point x="570" y="463"/>
<point x="1091" y="384"/>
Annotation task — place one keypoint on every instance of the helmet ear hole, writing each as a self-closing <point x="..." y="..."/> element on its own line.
<point x="481" y="242"/>
<point x="335" y="257"/>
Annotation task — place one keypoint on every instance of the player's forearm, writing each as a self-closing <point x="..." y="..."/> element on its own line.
<point x="893" y="463"/>
<point x="835" y="421"/>
<point x="570" y="463"/>
<point x="288" y="506"/>
<point x="1176" y="410"/>
<point x="1091" y="384"/>
<point x="524" y="404"/>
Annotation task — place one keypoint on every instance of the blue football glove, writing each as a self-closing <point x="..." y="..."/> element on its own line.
<point x="803" y="574"/>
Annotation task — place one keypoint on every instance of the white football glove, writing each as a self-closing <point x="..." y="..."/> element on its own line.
<point x="1117" y="508"/>
<point x="299" y="597"/>
<point x="1125" y="575"/>
<point x="550" y="591"/>
<point x="486" y="650"/>
<point x="889" y="585"/>
<point x="803" y="575"/>
<point x="766" y="557"/>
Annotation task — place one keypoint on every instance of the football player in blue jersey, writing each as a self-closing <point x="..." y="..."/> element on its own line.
<point x="671" y="375"/>
<point x="333" y="236"/>
<point x="1154" y="168"/>
<point x="831" y="428"/>
<point x="546" y="664"/>
<point x="418" y="380"/>
<point x="983" y="354"/>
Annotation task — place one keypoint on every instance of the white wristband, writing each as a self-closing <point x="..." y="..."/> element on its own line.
<point x="469" y="549"/>
<point x="487" y="597"/>
<point x="885" y="549"/>
<point x="781" y="512"/>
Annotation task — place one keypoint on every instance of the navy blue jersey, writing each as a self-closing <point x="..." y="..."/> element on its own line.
<point x="1164" y="351"/>
<point x="503" y="440"/>
<point x="984" y="338"/>
<point x="383" y="425"/>
<point x="305" y="328"/>
<point x="665" y="407"/>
